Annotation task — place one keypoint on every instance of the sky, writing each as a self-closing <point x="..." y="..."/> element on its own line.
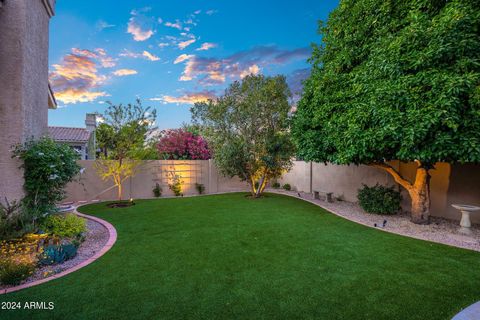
<point x="171" y="54"/>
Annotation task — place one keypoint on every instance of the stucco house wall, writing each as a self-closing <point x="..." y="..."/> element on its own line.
<point x="24" y="92"/>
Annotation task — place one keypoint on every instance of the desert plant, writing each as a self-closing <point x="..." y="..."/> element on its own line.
<point x="69" y="226"/>
<point x="287" y="187"/>
<point x="13" y="222"/>
<point x="200" y="188"/>
<point x="157" y="191"/>
<point x="13" y="272"/>
<point x="55" y="254"/>
<point x="379" y="199"/>
<point x="275" y="185"/>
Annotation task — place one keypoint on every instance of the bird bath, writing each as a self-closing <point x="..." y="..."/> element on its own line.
<point x="465" y="223"/>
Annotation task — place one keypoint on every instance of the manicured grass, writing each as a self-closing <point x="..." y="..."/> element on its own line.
<point x="230" y="257"/>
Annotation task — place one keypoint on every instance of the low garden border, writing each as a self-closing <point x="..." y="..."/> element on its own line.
<point x="112" y="238"/>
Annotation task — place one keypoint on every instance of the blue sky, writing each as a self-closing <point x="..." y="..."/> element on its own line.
<point x="172" y="53"/>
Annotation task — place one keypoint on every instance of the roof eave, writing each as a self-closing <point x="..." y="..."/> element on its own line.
<point x="52" y="102"/>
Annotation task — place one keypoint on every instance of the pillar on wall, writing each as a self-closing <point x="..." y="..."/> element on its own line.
<point x="212" y="177"/>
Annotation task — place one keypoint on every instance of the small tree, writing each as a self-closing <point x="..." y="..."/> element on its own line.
<point x="394" y="80"/>
<point x="247" y="128"/>
<point x="182" y="144"/>
<point x="117" y="171"/>
<point x="123" y="137"/>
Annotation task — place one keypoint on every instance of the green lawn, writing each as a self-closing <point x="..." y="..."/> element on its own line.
<point x="231" y="257"/>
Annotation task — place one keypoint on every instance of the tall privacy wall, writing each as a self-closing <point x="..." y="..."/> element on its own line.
<point x="90" y="186"/>
<point x="449" y="183"/>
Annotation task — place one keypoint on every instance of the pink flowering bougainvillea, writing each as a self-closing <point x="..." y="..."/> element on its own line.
<point x="183" y="145"/>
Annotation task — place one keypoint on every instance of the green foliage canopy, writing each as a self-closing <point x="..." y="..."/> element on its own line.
<point x="48" y="167"/>
<point x="394" y="80"/>
<point x="247" y="128"/>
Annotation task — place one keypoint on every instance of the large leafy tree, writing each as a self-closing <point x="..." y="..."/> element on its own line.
<point x="123" y="137"/>
<point x="395" y="80"/>
<point x="247" y="129"/>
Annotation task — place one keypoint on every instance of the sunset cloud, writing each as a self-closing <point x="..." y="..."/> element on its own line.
<point x="214" y="71"/>
<point x="76" y="78"/>
<point x="176" y="24"/>
<point x="182" y="45"/>
<point x="187" y="98"/>
<point x="139" y="25"/>
<point x="207" y="46"/>
<point x="182" y="58"/>
<point x="252" y="70"/>
<point x="150" y="56"/>
<point x="124" y="72"/>
<point x="145" y="55"/>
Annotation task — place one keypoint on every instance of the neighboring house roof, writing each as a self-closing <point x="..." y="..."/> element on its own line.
<point x="66" y="134"/>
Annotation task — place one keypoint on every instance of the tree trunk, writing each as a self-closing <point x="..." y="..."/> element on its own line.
<point x="420" y="195"/>
<point x="253" y="190"/>
<point x="260" y="188"/>
<point x="120" y="191"/>
<point x="419" y="191"/>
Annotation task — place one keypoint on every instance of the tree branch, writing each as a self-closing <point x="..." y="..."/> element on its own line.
<point x="395" y="174"/>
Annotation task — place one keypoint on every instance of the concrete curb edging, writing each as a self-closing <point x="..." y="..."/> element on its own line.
<point x="112" y="238"/>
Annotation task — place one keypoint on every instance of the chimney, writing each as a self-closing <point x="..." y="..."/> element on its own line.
<point x="91" y="122"/>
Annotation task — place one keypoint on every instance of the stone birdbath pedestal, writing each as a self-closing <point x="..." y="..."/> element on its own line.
<point x="465" y="223"/>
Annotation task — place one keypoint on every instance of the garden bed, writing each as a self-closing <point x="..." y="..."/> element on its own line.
<point x="96" y="238"/>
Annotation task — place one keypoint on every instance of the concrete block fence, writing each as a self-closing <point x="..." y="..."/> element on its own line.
<point x="449" y="184"/>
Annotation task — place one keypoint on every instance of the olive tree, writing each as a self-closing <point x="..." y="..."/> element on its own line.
<point x="248" y="130"/>
<point x="394" y="80"/>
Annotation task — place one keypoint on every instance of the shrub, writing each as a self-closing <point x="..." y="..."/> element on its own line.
<point x="379" y="199"/>
<point x="287" y="187"/>
<point x="176" y="184"/>
<point x="275" y="185"/>
<point x="13" y="221"/>
<point x="56" y="254"/>
<point x="182" y="145"/>
<point x="48" y="167"/>
<point x="13" y="272"/>
<point x="157" y="191"/>
<point x="200" y="188"/>
<point x="69" y="226"/>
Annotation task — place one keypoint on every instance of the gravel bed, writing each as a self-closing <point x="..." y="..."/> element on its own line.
<point x="96" y="238"/>
<point x="439" y="230"/>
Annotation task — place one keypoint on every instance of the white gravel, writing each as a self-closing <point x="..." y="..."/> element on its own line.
<point x="439" y="230"/>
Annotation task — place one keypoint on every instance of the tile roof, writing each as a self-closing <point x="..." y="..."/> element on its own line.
<point x="67" y="134"/>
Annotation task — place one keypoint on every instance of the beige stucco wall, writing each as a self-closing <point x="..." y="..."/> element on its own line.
<point x="449" y="183"/>
<point x="90" y="186"/>
<point x="24" y="84"/>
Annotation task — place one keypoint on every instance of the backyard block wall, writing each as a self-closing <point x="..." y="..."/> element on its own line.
<point x="459" y="183"/>
<point x="449" y="183"/>
<point x="89" y="186"/>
